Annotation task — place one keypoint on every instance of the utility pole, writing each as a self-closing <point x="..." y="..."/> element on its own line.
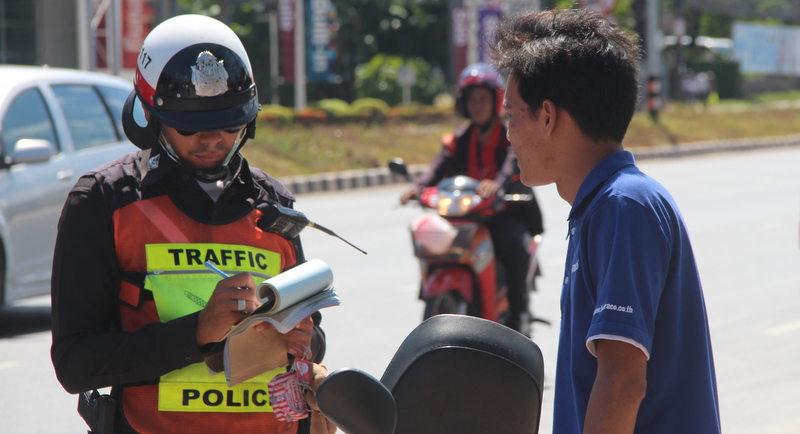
<point x="653" y="40"/>
<point x="299" y="55"/>
<point x="84" y="35"/>
<point x="88" y="22"/>
<point x="653" y="56"/>
<point x="273" y="57"/>
<point x="115" y="42"/>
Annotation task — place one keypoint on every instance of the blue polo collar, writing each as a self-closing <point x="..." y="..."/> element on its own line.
<point x="597" y="177"/>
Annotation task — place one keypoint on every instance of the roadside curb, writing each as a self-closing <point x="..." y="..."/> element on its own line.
<point x="348" y="179"/>
<point x="707" y="147"/>
<point x="354" y="179"/>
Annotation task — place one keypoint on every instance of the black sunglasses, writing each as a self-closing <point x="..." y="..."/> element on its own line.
<point x="191" y="133"/>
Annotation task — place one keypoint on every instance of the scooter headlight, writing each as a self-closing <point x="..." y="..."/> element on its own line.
<point x="457" y="204"/>
<point x="466" y="203"/>
<point x="443" y="205"/>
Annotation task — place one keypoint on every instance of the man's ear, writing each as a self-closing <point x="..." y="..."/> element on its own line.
<point x="549" y="114"/>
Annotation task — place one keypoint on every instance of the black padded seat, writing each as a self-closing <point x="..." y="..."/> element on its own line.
<point x="463" y="374"/>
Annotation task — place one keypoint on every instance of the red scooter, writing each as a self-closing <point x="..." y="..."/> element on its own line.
<point x="457" y="262"/>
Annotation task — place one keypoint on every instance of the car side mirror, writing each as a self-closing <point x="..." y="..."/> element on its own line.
<point x="32" y="151"/>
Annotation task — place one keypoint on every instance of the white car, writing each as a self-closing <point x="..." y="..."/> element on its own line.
<point x="55" y="125"/>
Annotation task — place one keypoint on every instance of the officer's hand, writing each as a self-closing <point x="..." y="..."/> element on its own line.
<point x="487" y="188"/>
<point x="232" y="299"/>
<point x="299" y="338"/>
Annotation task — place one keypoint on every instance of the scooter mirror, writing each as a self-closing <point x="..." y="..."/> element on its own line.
<point x="398" y="167"/>
<point x="357" y="403"/>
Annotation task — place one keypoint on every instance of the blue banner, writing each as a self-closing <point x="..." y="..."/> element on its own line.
<point x="321" y="50"/>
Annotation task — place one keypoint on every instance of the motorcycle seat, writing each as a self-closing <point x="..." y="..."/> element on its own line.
<point x="463" y="374"/>
<point x="452" y="374"/>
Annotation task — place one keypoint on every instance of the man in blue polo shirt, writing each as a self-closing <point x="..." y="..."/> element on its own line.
<point x="635" y="349"/>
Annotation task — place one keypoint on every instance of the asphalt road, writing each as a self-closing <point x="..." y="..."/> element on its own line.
<point x="742" y="210"/>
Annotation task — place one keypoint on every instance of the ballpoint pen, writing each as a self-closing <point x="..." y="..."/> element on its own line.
<point x="213" y="267"/>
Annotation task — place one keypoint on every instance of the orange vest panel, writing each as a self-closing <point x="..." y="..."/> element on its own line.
<point x="156" y="221"/>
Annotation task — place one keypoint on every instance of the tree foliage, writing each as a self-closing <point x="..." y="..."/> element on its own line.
<point x="416" y="32"/>
<point x="400" y="28"/>
<point x="379" y="78"/>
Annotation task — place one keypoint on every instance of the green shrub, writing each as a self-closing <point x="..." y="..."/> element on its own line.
<point x="406" y="111"/>
<point x="336" y="108"/>
<point x="276" y="114"/>
<point x="444" y="101"/>
<point x="312" y="115"/>
<point x="371" y="109"/>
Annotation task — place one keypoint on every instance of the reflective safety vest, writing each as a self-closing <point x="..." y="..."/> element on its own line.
<point x="155" y="239"/>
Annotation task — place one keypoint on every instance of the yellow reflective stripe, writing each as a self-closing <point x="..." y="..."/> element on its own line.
<point x="178" y="295"/>
<point x="191" y="284"/>
<point x="211" y="394"/>
<point x="181" y="285"/>
<point x="232" y="258"/>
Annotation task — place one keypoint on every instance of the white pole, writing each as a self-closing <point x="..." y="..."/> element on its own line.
<point x="472" y="32"/>
<point x="653" y="39"/>
<point x="273" y="58"/>
<point x="116" y="55"/>
<point x="299" y="55"/>
<point x="84" y="35"/>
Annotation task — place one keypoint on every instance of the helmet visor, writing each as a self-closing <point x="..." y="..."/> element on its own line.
<point x="209" y="120"/>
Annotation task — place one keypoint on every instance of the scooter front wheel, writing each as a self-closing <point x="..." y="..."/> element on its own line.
<point x="446" y="302"/>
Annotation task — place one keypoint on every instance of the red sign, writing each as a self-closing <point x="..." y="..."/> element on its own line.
<point x="286" y="29"/>
<point x="137" y="21"/>
<point x="101" y="44"/>
<point x="603" y="7"/>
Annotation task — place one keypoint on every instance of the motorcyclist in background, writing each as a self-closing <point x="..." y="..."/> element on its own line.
<point x="481" y="151"/>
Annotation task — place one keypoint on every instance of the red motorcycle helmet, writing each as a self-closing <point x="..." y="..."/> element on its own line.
<point x="479" y="74"/>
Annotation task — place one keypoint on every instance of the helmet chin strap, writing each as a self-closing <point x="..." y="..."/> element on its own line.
<point x="205" y="175"/>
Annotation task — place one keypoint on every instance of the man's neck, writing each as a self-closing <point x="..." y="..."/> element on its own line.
<point x="587" y="154"/>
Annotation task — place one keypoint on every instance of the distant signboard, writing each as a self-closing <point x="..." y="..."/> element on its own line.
<point x="460" y="29"/>
<point x="488" y="20"/>
<point x="286" y="38"/>
<point x="321" y="49"/>
<point x="137" y="21"/>
<point x="765" y="49"/>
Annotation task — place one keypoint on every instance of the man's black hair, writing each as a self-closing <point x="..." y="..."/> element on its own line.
<point x="578" y="60"/>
